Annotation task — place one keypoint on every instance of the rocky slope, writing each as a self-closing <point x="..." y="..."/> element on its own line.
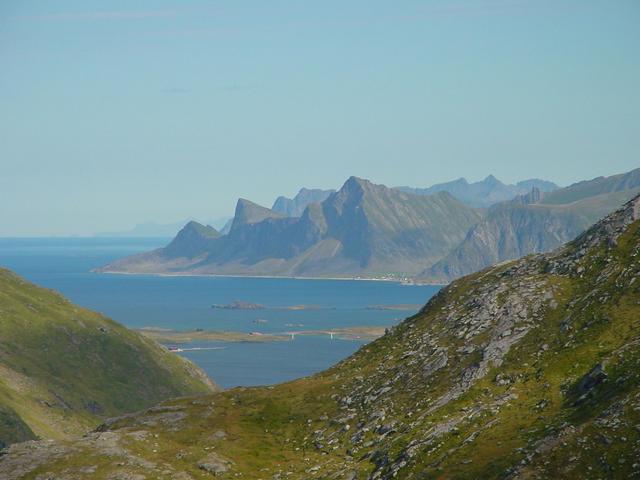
<point x="529" y="369"/>
<point x="363" y="229"/>
<point x="532" y="224"/>
<point x="64" y="368"/>
<point x="295" y="207"/>
<point x="486" y="192"/>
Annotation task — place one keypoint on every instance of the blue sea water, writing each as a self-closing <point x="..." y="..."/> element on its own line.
<point x="184" y="303"/>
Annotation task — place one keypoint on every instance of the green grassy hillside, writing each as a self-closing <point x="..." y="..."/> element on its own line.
<point x="529" y="369"/>
<point x="64" y="368"/>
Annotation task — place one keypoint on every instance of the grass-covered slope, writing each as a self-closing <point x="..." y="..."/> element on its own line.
<point x="529" y="369"/>
<point x="64" y="368"/>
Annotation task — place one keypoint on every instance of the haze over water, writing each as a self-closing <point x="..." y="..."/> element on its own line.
<point x="184" y="303"/>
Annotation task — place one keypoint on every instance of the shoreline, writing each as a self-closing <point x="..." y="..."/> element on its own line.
<point x="287" y="277"/>
<point x="170" y="337"/>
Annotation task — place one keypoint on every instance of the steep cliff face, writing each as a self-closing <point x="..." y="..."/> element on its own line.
<point x="363" y="229"/>
<point x="249" y="213"/>
<point x="529" y="369"/>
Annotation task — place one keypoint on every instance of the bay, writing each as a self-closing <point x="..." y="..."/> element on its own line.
<point x="185" y="303"/>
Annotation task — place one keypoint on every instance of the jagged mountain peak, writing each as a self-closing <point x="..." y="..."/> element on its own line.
<point x="459" y="181"/>
<point x="205" y="230"/>
<point x="294" y="207"/>
<point x="244" y="204"/>
<point x="491" y="180"/>
<point x="248" y="212"/>
<point x="356" y="183"/>
<point x="351" y="193"/>
<point x="359" y="188"/>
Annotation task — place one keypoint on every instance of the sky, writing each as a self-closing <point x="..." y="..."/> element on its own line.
<point x="114" y="113"/>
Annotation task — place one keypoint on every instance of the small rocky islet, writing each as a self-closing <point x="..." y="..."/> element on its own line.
<point x="238" y="305"/>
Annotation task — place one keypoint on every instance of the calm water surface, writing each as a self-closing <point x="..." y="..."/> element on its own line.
<point x="184" y="303"/>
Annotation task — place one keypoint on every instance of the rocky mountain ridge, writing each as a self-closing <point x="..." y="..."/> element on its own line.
<point x="368" y="230"/>
<point x="295" y="207"/>
<point x="362" y="229"/>
<point x="484" y="193"/>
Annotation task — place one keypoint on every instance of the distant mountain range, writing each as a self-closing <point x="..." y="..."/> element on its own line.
<point x="534" y="223"/>
<point x="368" y="230"/>
<point x="295" y="207"/>
<point x="478" y="194"/>
<point x="361" y="230"/>
<point x="486" y="192"/>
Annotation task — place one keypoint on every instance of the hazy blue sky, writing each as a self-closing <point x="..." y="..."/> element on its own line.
<point x="119" y="112"/>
